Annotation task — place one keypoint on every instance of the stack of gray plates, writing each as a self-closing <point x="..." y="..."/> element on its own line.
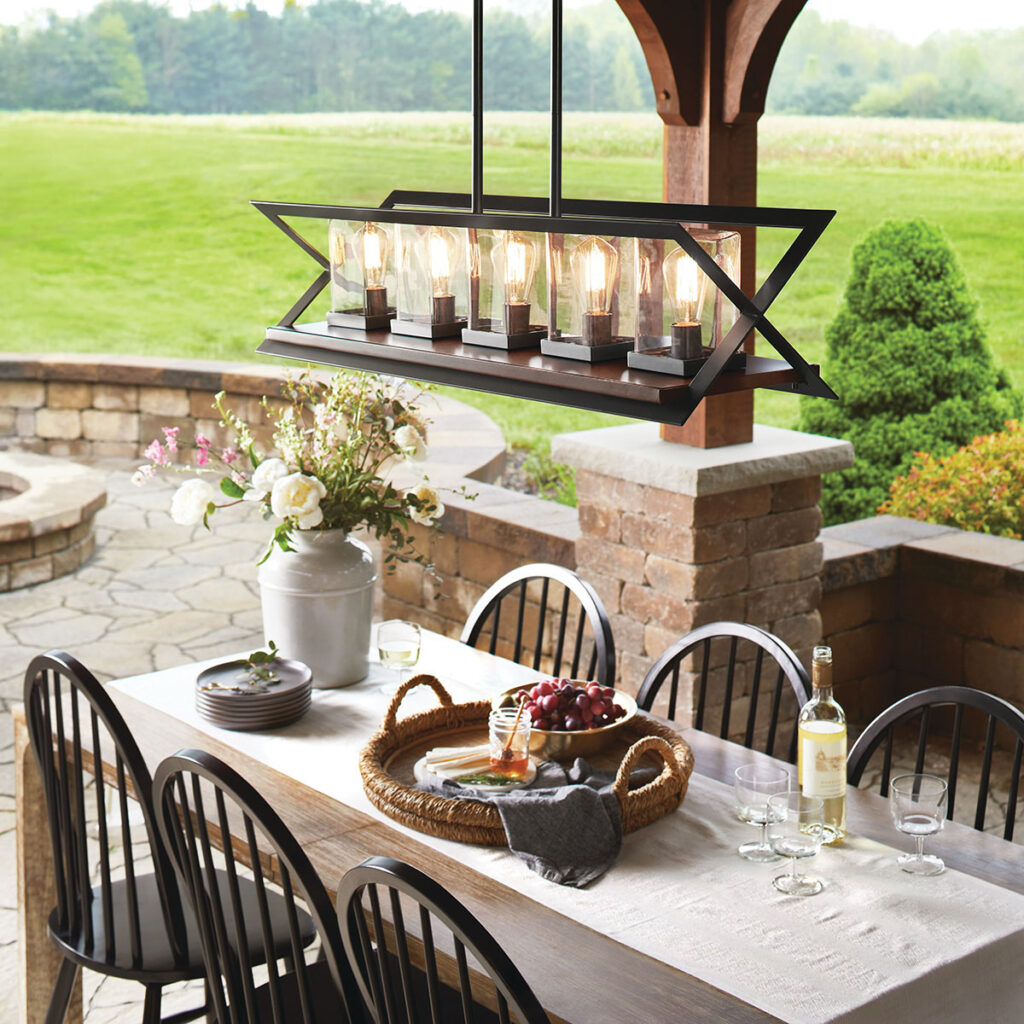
<point x="225" y="698"/>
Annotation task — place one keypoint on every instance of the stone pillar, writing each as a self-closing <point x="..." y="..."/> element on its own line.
<point x="673" y="537"/>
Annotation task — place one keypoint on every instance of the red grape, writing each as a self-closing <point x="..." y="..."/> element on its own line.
<point x="557" y="705"/>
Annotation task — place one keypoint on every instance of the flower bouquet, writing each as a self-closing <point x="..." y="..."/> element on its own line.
<point x="338" y="447"/>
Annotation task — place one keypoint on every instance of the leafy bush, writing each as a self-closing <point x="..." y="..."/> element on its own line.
<point x="979" y="487"/>
<point x="553" y="481"/>
<point x="907" y="357"/>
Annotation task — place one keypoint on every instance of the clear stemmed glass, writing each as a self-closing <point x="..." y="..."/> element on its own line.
<point x="752" y="786"/>
<point x="398" y="646"/>
<point x="918" y="807"/>
<point x="796" y="825"/>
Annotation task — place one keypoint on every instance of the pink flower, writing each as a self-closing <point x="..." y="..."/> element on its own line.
<point x="239" y="478"/>
<point x="202" y="456"/>
<point x="171" y="436"/>
<point x="229" y="456"/>
<point x="156" y="454"/>
<point x="202" y="441"/>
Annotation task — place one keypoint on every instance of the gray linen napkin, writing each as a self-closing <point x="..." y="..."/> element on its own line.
<point x="565" y="825"/>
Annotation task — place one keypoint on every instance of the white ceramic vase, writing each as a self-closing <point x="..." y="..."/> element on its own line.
<point x="318" y="604"/>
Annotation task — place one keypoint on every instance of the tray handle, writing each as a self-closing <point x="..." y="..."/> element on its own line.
<point x="645" y="744"/>
<point x="422" y="679"/>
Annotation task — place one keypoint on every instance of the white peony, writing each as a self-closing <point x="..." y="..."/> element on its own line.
<point x="431" y="505"/>
<point x="267" y="473"/>
<point x="298" y="496"/>
<point x="411" y="441"/>
<point x="188" y="506"/>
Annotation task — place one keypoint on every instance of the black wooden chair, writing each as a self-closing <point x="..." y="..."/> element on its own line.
<point x="772" y="665"/>
<point x="194" y="791"/>
<point x="558" y="602"/>
<point x="395" y="956"/>
<point x="132" y="924"/>
<point x="937" y="715"/>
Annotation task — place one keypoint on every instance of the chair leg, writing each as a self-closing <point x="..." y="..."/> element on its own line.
<point x="62" y="989"/>
<point x="151" y="1007"/>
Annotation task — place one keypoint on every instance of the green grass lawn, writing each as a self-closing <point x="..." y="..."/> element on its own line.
<point x="134" y="234"/>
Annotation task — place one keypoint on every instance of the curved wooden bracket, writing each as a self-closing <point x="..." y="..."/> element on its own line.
<point x="754" y="33"/>
<point x="671" y="33"/>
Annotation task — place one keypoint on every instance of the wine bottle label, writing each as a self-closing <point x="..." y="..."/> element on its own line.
<point x="822" y="759"/>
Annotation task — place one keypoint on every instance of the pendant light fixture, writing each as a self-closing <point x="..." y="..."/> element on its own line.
<point x="629" y="308"/>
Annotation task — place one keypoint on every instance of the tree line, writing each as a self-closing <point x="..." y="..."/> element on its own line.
<point x="832" y="67"/>
<point x="329" y="55"/>
<point x="342" y="55"/>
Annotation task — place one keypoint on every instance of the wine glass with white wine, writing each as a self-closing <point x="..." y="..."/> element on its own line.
<point x="398" y="647"/>
<point x="918" y="807"/>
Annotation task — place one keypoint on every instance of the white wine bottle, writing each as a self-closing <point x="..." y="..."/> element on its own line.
<point x="821" y="750"/>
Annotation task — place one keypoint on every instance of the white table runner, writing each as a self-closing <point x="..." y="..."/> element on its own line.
<point x="877" y="945"/>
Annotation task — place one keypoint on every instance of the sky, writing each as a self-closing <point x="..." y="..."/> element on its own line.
<point x="910" y="20"/>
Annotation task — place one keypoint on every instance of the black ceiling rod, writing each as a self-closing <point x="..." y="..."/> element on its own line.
<point x="555" y="190"/>
<point x="478" y="106"/>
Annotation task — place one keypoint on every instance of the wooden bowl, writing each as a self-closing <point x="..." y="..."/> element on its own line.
<point x="566" y="746"/>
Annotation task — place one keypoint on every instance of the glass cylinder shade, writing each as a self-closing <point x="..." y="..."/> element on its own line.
<point x="590" y="314"/>
<point x="506" y="274"/>
<point x="681" y="315"/>
<point x="433" y="290"/>
<point x="362" y="274"/>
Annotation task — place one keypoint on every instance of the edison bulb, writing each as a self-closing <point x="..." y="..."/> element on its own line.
<point x="594" y="264"/>
<point x="442" y="257"/>
<point x="372" y="246"/>
<point x="685" y="284"/>
<point x="518" y="254"/>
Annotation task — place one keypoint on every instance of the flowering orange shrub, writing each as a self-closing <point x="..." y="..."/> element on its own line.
<point x="979" y="487"/>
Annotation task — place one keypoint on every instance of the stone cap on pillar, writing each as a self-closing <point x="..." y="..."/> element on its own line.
<point x="635" y="452"/>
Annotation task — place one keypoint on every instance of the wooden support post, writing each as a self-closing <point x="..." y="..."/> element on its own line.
<point x="38" y="959"/>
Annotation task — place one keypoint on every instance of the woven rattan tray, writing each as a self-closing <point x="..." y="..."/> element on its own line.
<point x="386" y="764"/>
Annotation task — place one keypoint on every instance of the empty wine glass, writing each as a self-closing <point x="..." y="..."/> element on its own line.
<point x="918" y="807"/>
<point x="796" y="826"/>
<point x="398" y="647"/>
<point x="752" y="786"/>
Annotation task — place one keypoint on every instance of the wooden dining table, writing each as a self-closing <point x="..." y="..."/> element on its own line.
<point x="581" y="972"/>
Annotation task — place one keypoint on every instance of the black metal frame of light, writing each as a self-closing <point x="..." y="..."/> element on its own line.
<point x="555" y="215"/>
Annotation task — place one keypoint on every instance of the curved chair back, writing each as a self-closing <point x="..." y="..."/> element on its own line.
<point x="772" y="672"/>
<point x="369" y="898"/>
<point x="195" y="791"/>
<point x="991" y="710"/>
<point x="75" y="730"/>
<point x="548" y="615"/>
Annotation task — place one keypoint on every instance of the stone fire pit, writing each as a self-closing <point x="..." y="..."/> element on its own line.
<point x="47" y="507"/>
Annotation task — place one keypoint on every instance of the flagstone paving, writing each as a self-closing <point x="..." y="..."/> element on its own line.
<point x="154" y="595"/>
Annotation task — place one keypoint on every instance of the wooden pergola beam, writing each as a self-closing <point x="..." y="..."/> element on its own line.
<point x="710" y="63"/>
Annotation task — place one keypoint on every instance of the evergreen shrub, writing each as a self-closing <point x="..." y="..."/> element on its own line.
<point x="907" y="356"/>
